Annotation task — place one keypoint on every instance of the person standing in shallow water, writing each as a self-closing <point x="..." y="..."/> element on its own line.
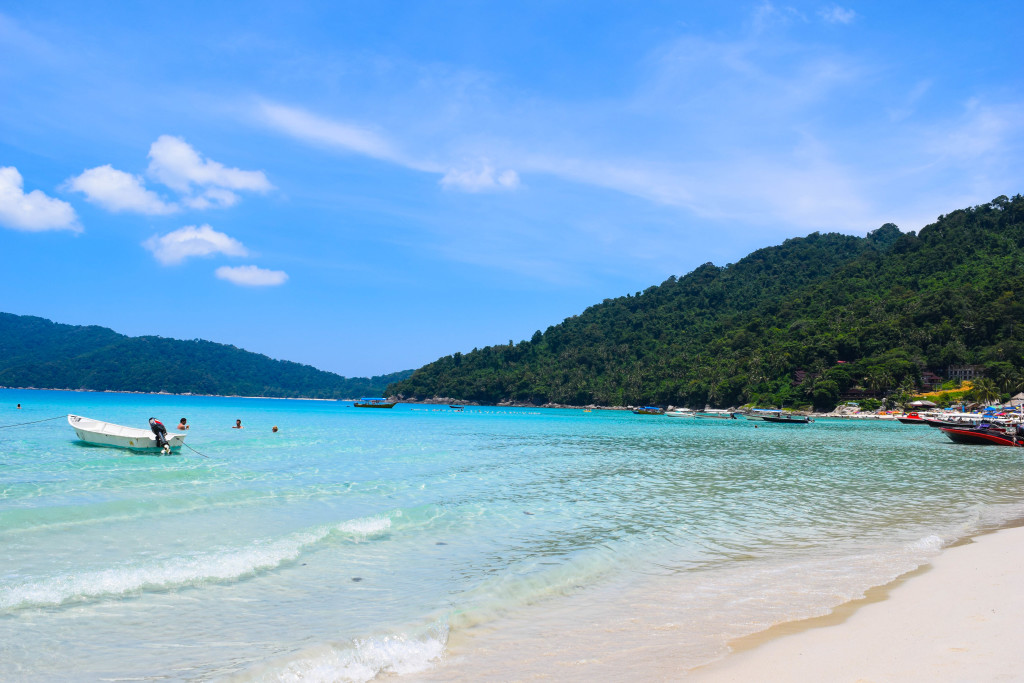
<point x="182" y="425"/>
<point x="238" y="425"/>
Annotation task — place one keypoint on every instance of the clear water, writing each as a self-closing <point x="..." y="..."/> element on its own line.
<point x="355" y="543"/>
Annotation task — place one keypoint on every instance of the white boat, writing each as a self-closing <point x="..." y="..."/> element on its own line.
<point x="679" y="412"/>
<point x="759" y="414"/>
<point x="109" y="434"/>
<point x="715" y="414"/>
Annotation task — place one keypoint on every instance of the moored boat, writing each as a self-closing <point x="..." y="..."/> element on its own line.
<point x="373" y="403"/>
<point x="102" y="433"/>
<point x="916" y="418"/>
<point x="757" y="414"/>
<point x="649" y="410"/>
<point x="982" y="436"/>
<point x="715" y="414"/>
<point x="788" y="419"/>
<point x="679" y="412"/>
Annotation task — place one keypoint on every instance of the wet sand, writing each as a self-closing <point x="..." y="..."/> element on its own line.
<point x="958" y="620"/>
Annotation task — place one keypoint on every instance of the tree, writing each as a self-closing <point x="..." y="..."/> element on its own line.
<point x="985" y="391"/>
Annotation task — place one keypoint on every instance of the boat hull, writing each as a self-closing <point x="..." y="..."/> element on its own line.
<point x="976" y="438"/>
<point x="99" y="433"/>
<point x="787" y="420"/>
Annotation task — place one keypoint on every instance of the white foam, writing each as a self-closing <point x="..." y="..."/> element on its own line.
<point x="361" y="660"/>
<point x="183" y="570"/>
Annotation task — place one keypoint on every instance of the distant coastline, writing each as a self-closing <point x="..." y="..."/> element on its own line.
<point x="166" y="393"/>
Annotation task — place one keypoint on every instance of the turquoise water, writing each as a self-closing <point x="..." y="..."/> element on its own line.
<point x="359" y="542"/>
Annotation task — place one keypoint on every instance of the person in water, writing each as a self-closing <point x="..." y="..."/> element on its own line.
<point x="182" y="425"/>
<point x="274" y="429"/>
<point x="238" y="425"/>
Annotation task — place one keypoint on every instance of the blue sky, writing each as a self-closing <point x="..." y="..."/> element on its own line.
<point x="368" y="186"/>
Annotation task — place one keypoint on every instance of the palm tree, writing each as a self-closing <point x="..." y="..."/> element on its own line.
<point x="879" y="379"/>
<point x="985" y="391"/>
<point x="1010" y="381"/>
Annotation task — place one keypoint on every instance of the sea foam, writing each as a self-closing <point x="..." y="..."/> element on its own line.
<point x="220" y="565"/>
<point x="359" y="660"/>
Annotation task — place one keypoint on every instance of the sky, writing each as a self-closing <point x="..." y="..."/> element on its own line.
<point x="368" y="186"/>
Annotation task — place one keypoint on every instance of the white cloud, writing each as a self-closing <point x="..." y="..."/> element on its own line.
<point x="176" y="164"/>
<point x="33" y="211"/>
<point x="176" y="246"/>
<point x="214" y="197"/>
<point x="480" y="179"/>
<point x="312" y="128"/>
<point x="320" y="131"/>
<point x="348" y="137"/>
<point x="837" y="15"/>
<point x="116" y="190"/>
<point x="252" y="276"/>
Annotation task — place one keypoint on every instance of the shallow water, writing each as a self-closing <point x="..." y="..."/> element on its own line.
<point x="358" y="542"/>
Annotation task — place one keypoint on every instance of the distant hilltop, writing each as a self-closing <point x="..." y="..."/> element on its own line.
<point x="39" y="353"/>
<point x="813" y="321"/>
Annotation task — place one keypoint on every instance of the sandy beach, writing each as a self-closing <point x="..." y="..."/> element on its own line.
<point x="958" y="620"/>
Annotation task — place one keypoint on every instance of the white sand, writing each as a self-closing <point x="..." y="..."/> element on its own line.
<point x="962" y="620"/>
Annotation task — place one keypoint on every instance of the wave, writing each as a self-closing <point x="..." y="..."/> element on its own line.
<point x="358" y="660"/>
<point x="225" y="564"/>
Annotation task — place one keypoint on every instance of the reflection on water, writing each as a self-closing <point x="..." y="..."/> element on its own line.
<point x="354" y="542"/>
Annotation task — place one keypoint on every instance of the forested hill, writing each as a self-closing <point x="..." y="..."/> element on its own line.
<point x="35" y="352"/>
<point x="872" y="312"/>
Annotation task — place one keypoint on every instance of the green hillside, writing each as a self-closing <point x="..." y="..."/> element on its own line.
<point x="872" y="312"/>
<point x="35" y="352"/>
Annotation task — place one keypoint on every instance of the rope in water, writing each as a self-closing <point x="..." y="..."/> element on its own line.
<point x="22" y="424"/>
<point x="194" y="450"/>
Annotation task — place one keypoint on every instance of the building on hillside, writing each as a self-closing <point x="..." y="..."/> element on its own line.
<point x="930" y="381"/>
<point x="964" y="373"/>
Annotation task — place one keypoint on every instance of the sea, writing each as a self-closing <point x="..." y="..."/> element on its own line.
<point x="427" y="543"/>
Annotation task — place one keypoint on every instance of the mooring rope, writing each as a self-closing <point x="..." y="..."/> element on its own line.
<point x="194" y="450"/>
<point x="22" y="424"/>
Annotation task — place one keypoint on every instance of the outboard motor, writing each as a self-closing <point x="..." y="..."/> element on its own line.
<point x="161" y="434"/>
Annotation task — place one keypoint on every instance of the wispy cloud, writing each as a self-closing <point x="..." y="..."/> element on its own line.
<point x="320" y="131"/>
<point x="480" y="179"/>
<point x="178" y="245"/>
<point x="33" y="211"/>
<point x="349" y="137"/>
<point x="837" y="15"/>
<point x="252" y="276"/>
<point x="118" y="191"/>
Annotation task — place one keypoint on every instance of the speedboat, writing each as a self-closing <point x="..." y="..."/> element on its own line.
<point x="102" y="433"/>
<point x="715" y="414"/>
<point x="788" y="419"/>
<point x="373" y="403"/>
<point x="916" y="418"/>
<point x="760" y="413"/>
<point x="680" y="412"/>
<point x="982" y="436"/>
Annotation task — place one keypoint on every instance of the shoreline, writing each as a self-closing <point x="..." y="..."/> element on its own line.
<point x="953" y="619"/>
<point x="165" y="393"/>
